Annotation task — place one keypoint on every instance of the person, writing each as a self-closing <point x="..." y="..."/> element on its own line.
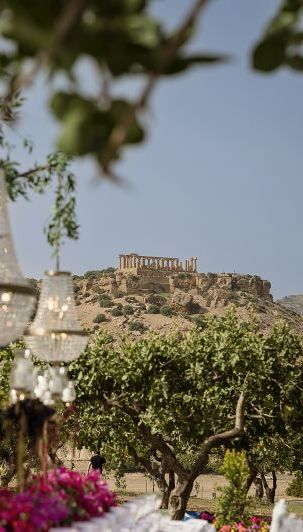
<point x="97" y="462"/>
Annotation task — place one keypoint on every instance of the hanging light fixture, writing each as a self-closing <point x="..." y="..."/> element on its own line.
<point x="55" y="334"/>
<point x="23" y="376"/>
<point x="17" y="297"/>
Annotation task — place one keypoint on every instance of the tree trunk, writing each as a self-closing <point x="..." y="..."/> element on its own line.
<point x="270" y="492"/>
<point x="168" y="489"/>
<point x="163" y="487"/>
<point x="179" y="499"/>
<point x="252" y="475"/>
<point x="55" y="460"/>
<point x="171" y="481"/>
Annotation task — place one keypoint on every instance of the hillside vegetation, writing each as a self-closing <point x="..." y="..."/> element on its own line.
<point x="122" y="303"/>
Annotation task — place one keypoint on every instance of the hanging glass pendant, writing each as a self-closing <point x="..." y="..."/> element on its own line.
<point x="55" y="334"/>
<point x="23" y="376"/>
<point x="17" y="297"/>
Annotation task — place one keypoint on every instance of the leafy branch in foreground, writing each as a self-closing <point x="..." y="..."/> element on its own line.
<point x="121" y="38"/>
<point x="63" y="221"/>
<point x="281" y="43"/>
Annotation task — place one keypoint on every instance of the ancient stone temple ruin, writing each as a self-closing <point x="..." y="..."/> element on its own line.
<point x="141" y="263"/>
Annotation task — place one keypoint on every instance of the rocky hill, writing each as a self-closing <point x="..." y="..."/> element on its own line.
<point x="123" y="302"/>
<point x="294" y="303"/>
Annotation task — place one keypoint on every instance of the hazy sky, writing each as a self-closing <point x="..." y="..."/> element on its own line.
<point x="220" y="176"/>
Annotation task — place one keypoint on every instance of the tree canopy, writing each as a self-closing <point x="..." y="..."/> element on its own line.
<point x="177" y="396"/>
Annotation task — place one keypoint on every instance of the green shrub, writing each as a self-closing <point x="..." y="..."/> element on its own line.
<point x="295" y="487"/>
<point x="92" y="273"/>
<point x="128" y="310"/>
<point x="105" y="296"/>
<point x="108" y="270"/>
<point x="200" y="322"/>
<point x="155" y="299"/>
<point x="153" y="309"/>
<point x="230" y="506"/>
<point x="166" y="310"/>
<point x="97" y="289"/>
<point x="137" y="326"/>
<point x="100" y="318"/>
<point x="117" y="311"/>
<point x="105" y="301"/>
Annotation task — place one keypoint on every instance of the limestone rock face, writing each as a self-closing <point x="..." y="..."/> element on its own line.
<point x="222" y="285"/>
<point x="187" y="302"/>
<point x="293" y="302"/>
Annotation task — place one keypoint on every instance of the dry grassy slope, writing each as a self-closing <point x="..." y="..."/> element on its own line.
<point x="213" y="297"/>
<point x="294" y="302"/>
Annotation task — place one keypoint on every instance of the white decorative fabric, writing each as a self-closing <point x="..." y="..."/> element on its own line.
<point x="140" y="515"/>
<point x="284" y="522"/>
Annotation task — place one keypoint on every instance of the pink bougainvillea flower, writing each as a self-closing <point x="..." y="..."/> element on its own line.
<point x="57" y="498"/>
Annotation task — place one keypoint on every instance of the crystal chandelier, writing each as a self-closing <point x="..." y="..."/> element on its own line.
<point x="23" y="376"/>
<point x="49" y="386"/>
<point x="55" y="334"/>
<point x="17" y="297"/>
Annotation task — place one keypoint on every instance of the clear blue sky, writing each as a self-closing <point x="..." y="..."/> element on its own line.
<point x="220" y="176"/>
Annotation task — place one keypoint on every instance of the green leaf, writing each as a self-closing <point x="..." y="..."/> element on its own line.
<point x="295" y="62"/>
<point x="270" y="53"/>
<point x="179" y="64"/>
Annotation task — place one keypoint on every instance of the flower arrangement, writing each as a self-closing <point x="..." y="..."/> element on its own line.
<point x="251" y="524"/>
<point x="207" y="516"/>
<point x="256" y="523"/>
<point x="59" y="497"/>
